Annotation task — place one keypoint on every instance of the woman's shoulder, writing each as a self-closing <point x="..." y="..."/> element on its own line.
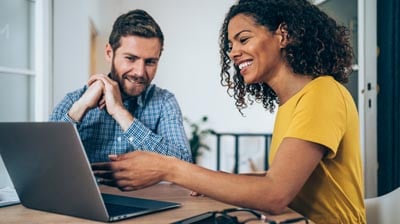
<point x="326" y="84"/>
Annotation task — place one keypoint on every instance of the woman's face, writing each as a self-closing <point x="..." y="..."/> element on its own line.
<point x="255" y="50"/>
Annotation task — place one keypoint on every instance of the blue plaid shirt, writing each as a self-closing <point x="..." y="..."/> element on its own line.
<point x="157" y="127"/>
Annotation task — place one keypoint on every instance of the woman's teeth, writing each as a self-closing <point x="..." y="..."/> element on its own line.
<point x="244" y="64"/>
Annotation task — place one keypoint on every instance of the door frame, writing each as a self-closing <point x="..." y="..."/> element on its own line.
<point x="367" y="83"/>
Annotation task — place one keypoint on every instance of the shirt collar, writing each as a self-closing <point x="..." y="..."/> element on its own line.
<point x="143" y="98"/>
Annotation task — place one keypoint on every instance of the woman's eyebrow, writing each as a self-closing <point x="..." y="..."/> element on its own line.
<point x="236" y="36"/>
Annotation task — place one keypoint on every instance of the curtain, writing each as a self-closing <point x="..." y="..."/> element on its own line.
<point x="389" y="95"/>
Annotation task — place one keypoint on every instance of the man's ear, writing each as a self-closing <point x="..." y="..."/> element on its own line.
<point x="109" y="53"/>
<point x="283" y="32"/>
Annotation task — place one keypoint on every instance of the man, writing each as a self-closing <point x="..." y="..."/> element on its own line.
<point x="122" y="111"/>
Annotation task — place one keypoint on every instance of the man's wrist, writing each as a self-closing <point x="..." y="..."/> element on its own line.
<point x="77" y="111"/>
<point x="124" y="118"/>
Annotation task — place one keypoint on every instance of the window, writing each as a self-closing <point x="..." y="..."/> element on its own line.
<point x="17" y="70"/>
<point x="24" y="60"/>
<point x="24" y="63"/>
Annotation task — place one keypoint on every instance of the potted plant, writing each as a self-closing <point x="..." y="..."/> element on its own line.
<point x="197" y="136"/>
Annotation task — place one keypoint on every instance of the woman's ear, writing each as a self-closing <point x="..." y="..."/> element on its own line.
<point x="283" y="32"/>
<point x="109" y="53"/>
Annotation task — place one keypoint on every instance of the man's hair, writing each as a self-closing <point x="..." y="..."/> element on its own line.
<point x="317" y="46"/>
<point x="137" y="23"/>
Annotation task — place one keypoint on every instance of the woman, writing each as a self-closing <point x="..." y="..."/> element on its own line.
<point x="286" y="53"/>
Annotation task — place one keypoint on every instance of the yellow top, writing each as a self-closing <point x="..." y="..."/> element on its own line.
<point x="324" y="112"/>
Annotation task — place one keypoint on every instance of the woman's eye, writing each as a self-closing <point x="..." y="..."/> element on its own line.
<point x="243" y="40"/>
<point x="229" y="48"/>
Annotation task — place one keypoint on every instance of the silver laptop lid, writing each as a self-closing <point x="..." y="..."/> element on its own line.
<point x="43" y="160"/>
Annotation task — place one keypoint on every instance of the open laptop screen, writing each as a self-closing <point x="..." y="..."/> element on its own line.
<point x="50" y="171"/>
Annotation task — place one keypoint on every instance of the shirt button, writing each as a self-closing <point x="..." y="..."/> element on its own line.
<point x="131" y="139"/>
<point x="119" y="139"/>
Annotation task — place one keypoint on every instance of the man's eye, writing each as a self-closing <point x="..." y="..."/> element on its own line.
<point x="151" y="62"/>
<point x="130" y="58"/>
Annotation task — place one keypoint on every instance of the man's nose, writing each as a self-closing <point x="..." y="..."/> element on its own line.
<point x="140" y="68"/>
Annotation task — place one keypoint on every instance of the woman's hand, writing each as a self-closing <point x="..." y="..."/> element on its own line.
<point x="132" y="171"/>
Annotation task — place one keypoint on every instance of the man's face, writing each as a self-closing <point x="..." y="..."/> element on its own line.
<point x="134" y="63"/>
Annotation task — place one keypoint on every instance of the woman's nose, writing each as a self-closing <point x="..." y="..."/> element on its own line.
<point x="234" y="53"/>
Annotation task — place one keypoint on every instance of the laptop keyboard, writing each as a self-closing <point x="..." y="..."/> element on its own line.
<point x="115" y="209"/>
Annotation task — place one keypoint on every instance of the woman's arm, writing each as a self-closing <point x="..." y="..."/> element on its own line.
<point x="293" y="164"/>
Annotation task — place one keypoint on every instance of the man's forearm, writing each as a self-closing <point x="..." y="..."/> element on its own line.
<point x="124" y="119"/>
<point x="77" y="111"/>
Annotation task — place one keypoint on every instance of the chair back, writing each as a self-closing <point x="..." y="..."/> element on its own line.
<point x="384" y="209"/>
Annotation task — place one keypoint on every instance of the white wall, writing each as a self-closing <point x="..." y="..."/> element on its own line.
<point x="71" y="41"/>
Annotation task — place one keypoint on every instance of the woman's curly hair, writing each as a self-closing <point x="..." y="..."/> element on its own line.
<point x="317" y="46"/>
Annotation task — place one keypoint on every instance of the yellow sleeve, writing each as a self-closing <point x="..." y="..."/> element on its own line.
<point x="320" y="117"/>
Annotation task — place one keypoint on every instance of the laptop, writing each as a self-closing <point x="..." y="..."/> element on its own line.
<point x="50" y="171"/>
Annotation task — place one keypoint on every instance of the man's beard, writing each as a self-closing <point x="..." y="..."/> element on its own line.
<point x="131" y="78"/>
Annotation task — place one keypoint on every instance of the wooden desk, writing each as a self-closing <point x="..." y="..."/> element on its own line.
<point x="164" y="191"/>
